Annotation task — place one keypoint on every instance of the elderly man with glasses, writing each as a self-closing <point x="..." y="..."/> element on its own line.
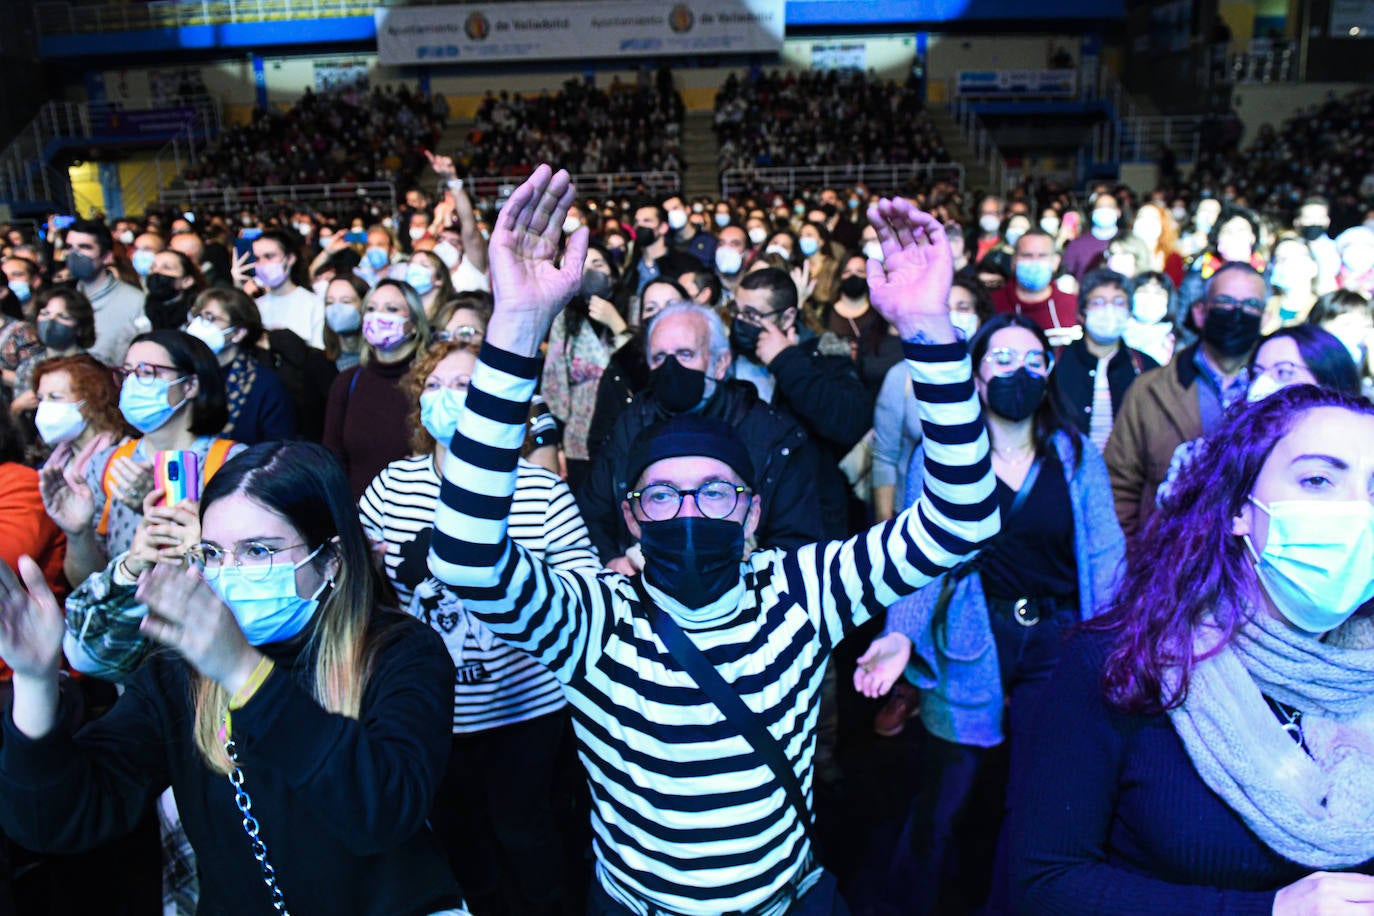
<point x="694" y="684"/>
<point x="1187" y="398"/>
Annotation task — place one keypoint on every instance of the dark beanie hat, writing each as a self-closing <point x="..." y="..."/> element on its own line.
<point x="688" y="435"/>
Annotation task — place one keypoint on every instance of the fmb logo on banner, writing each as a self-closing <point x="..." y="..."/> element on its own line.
<point x="478" y="27"/>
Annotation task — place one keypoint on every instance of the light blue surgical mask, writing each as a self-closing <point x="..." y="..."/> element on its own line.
<point x="439" y="411"/>
<point x="1318" y="560"/>
<point x="21" y="290"/>
<point x="143" y="261"/>
<point x="809" y="246"/>
<point x="1034" y="275"/>
<point x="144" y="402"/>
<point x="266" y="606"/>
<point x="377" y="258"/>
<point x="420" y="277"/>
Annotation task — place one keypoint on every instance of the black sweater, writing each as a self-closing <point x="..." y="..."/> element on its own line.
<point x="1109" y="816"/>
<point x="342" y="802"/>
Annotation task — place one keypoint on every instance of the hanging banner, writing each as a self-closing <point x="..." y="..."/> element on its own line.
<point x="408" y="35"/>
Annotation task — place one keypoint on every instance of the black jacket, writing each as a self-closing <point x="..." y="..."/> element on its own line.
<point x="342" y="803"/>
<point x="824" y="392"/>
<point x="1075" y="373"/>
<point x="784" y="469"/>
<point x="626" y="375"/>
<point x="306" y="374"/>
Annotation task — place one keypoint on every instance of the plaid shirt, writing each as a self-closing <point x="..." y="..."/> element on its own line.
<point x="102" y="638"/>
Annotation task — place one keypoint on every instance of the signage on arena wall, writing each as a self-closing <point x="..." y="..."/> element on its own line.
<point x="1052" y="83"/>
<point x="452" y="34"/>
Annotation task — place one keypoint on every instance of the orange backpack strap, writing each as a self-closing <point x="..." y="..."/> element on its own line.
<point x="125" y="450"/>
<point x="215" y="458"/>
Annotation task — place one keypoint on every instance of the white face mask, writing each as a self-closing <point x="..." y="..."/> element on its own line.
<point x="989" y="224"/>
<point x="873" y="250"/>
<point x="779" y="251"/>
<point x="728" y="260"/>
<point x="677" y="219"/>
<point x="1150" y="306"/>
<point x="966" y="322"/>
<point x="450" y="255"/>
<point x="757" y="235"/>
<point x="209" y="333"/>
<point x="1261" y="388"/>
<point x="1105" y="325"/>
<point x="570" y="225"/>
<point x="1050" y="225"/>
<point x="417" y="233"/>
<point x="59" y="421"/>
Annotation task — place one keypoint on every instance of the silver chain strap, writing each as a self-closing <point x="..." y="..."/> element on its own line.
<point x="251" y="827"/>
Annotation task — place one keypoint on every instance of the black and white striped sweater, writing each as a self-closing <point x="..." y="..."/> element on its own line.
<point x="685" y="815"/>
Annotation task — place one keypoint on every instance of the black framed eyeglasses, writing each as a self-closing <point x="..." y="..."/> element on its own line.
<point x="1231" y="303"/>
<point x="145" y="372"/>
<point x="715" y="499"/>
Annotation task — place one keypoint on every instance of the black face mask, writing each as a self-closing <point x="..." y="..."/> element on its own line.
<point x="744" y="337"/>
<point x="854" y="287"/>
<point x="162" y="288"/>
<point x="1232" y="332"/>
<point x="595" y="283"/>
<point x="81" y="267"/>
<point x="696" y="560"/>
<point x="677" y="389"/>
<point x="644" y="236"/>
<point x="1015" y="397"/>
<point x="55" y="335"/>
<point x="1311" y="233"/>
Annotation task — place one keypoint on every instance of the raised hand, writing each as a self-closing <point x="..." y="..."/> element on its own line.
<point x="62" y="484"/>
<point x="31" y="622"/>
<point x="881" y="666"/>
<point x="186" y="614"/>
<point x="604" y="312"/>
<point x="529" y="288"/>
<point x="910" y="285"/>
<point x="442" y="166"/>
<point x="133" y="481"/>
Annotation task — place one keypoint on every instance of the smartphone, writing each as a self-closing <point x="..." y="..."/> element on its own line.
<point x="355" y="237"/>
<point x="62" y="222"/>
<point x="250" y="233"/>
<point x="177" y="474"/>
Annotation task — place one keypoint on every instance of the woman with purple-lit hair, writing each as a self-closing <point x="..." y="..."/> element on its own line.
<point x="1208" y="745"/>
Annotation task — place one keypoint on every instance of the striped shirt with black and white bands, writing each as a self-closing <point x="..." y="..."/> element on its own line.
<point x="686" y="816"/>
<point x="494" y="684"/>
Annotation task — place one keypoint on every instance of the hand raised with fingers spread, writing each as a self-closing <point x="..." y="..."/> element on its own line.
<point x="31" y="622"/>
<point x="62" y="484"/>
<point x="186" y="614"/>
<point x="910" y="285"/>
<point x="529" y="288"/>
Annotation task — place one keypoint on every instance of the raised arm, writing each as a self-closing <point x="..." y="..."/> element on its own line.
<point x="474" y="246"/>
<point x="847" y="581"/>
<point x="518" y="597"/>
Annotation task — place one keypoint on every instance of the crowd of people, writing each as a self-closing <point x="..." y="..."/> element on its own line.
<point x="624" y="128"/>
<point x="814" y="118"/>
<point x="1325" y="151"/>
<point x="344" y="135"/>
<point x="373" y="519"/>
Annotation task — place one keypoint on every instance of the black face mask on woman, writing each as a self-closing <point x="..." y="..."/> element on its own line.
<point x="1015" y="397"/>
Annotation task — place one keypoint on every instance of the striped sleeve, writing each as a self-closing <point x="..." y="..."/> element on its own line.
<point x="846" y="582"/>
<point x="542" y="611"/>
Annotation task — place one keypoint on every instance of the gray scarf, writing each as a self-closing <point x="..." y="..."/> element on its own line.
<point x="1318" y="810"/>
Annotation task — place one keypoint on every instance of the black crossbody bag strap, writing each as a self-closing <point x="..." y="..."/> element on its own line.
<point x="744" y="719"/>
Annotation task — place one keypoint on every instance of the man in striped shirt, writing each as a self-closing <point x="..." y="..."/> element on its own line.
<point x="687" y="817"/>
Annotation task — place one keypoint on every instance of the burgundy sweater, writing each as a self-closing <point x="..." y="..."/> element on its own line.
<point x="365" y="421"/>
